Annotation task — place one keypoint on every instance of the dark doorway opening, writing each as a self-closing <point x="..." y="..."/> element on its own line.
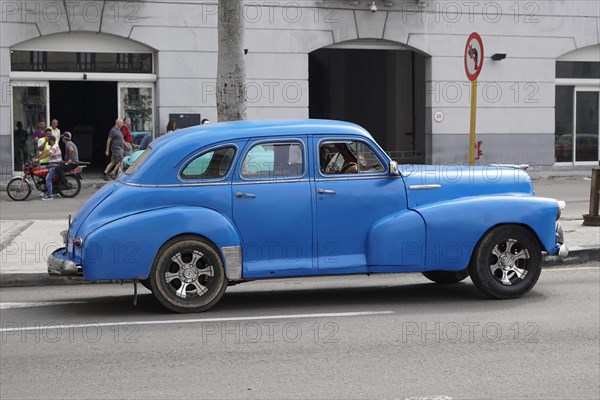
<point x="88" y="110"/>
<point x="381" y="90"/>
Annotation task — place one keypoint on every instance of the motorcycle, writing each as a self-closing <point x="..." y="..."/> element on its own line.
<point x="19" y="187"/>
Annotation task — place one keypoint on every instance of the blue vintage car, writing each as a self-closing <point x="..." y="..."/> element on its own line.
<point x="216" y="205"/>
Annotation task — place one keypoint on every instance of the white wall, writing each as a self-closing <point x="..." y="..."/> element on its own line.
<point x="279" y="38"/>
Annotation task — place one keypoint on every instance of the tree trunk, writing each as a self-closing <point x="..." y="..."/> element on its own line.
<point x="231" y="70"/>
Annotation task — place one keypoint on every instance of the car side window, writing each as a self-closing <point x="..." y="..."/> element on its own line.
<point x="274" y="161"/>
<point x="213" y="164"/>
<point x="348" y="157"/>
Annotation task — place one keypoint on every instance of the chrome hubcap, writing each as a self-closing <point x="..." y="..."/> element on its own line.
<point x="509" y="262"/>
<point x="188" y="274"/>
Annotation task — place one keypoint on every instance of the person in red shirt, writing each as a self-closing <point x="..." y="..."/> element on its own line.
<point x="127" y="138"/>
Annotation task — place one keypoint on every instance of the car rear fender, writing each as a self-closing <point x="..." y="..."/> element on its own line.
<point x="126" y="248"/>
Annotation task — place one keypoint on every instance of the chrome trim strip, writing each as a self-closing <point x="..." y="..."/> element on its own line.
<point x="515" y="166"/>
<point x="270" y="181"/>
<point x="233" y="262"/>
<point x="174" y="185"/>
<point x="424" y="187"/>
<point x="356" y="178"/>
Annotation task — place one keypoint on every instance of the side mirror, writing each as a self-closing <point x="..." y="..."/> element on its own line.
<point x="394" y="168"/>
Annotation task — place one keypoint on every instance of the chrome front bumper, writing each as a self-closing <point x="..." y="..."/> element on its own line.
<point x="59" y="263"/>
<point x="563" y="250"/>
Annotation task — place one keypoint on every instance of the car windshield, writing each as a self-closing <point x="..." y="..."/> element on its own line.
<point x="137" y="163"/>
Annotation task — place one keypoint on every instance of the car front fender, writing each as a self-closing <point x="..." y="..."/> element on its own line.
<point x="126" y="248"/>
<point x="455" y="227"/>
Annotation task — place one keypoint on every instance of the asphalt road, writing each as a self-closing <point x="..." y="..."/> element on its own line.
<point x="387" y="336"/>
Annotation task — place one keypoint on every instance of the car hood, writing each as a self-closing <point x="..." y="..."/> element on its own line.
<point x="435" y="183"/>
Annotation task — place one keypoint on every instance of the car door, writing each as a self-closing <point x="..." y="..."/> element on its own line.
<point x="272" y="208"/>
<point x="354" y="189"/>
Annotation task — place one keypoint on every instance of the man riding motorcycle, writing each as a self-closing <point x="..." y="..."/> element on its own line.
<point x="55" y="156"/>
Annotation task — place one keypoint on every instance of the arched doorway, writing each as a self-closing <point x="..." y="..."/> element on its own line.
<point x="377" y="84"/>
<point x="84" y="80"/>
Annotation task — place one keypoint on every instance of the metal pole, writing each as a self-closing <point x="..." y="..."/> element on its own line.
<point x="473" y="122"/>
<point x="593" y="219"/>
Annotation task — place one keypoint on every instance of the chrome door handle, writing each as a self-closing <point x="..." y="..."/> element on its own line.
<point x="424" y="187"/>
<point x="325" y="191"/>
<point x="240" y="194"/>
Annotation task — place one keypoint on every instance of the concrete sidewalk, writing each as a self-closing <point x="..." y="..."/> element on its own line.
<point x="26" y="246"/>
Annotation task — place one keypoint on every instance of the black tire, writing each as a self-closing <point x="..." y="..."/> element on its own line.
<point x="18" y="189"/>
<point x="197" y="278"/>
<point x="446" y="277"/>
<point x="507" y="262"/>
<point x="72" y="192"/>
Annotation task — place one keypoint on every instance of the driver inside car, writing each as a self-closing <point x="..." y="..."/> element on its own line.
<point x="334" y="159"/>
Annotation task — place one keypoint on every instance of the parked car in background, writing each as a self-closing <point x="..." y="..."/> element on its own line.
<point x="130" y="159"/>
<point x="139" y="136"/>
<point x="222" y="204"/>
<point x="586" y="150"/>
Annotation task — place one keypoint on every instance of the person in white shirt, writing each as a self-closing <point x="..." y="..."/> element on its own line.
<point x="54" y="127"/>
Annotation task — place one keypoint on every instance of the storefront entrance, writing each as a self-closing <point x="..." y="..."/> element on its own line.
<point x="88" y="110"/>
<point x="381" y="88"/>
<point x="84" y="80"/>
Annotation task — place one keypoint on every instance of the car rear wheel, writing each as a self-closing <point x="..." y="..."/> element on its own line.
<point x="507" y="262"/>
<point x="188" y="275"/>
<point x="446" y="277"/>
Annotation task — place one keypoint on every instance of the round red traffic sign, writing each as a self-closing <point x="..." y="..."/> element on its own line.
<point x="473" y="56"/>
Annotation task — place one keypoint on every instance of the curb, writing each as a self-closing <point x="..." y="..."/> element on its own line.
<point x="576" y="256"/>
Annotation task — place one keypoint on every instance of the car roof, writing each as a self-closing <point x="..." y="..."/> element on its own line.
<point x="169" y="150"/>
<point x="214" y="133"/>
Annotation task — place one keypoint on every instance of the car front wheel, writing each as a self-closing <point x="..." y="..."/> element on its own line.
<point x="507" y="262"/>
<point x="188" y="275"/>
